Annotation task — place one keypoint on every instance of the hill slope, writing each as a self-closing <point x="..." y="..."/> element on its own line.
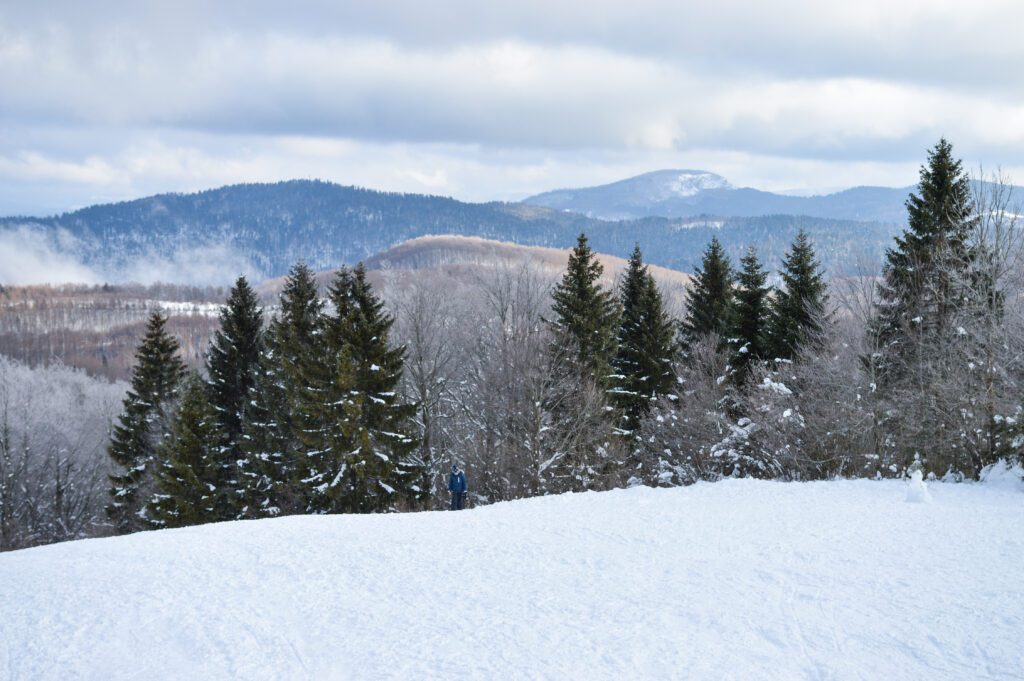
<point x="739" y="579"/>
<point x="439" y="251"/>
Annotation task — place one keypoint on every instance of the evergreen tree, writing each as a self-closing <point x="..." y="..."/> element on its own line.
<point x="190" y="469"/>
<point x="799" y="308"/>
<point x="643" y="364"/>
<point x="925" y="274"/>
<point x="155" y="378"/>
<point x="586" y="314"/>
<point x="709" y="297"/>
<point x="381" y="469"/>
<point x="266" y="441"/>
<point x="294" y="362"/>
<point x="333" y="447"/>
<point x="232" y="365"/>
<point x="748" y="331"/>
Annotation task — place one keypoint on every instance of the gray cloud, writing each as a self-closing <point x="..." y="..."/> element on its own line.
<point x="496" y="100"/>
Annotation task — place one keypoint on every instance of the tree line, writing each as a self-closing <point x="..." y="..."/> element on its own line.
<point x="350" y="400"/>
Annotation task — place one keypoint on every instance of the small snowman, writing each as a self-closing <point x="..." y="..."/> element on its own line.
<point x="917" y="492"/>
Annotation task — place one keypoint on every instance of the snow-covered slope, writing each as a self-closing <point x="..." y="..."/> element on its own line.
<point x="734" y="580"/>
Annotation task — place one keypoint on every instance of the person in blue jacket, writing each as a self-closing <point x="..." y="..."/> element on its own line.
<point x="457" y="486"/>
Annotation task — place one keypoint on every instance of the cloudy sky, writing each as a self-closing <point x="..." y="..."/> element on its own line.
<point x="482" y="100"/>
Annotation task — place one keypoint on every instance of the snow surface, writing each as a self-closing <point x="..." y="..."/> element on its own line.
<point x="733" y="580"/>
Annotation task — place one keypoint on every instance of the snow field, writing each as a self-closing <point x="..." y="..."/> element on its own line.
<point x="734" y="580"/>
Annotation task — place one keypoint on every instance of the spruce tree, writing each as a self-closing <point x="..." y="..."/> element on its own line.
<point x="799" y="307"/>
<point x="190" y="471"/>
<point x="938" y="306"/>
<point x="709" y="297"/>
<point x="155" y="379"/>
<point x="293" y="363"/>
<point x="266" y="442"/>
<point x="924" y="276"/>
<point x="748" y="330"/>
<point x="381" y="470"/>
<point x="586" y="314"/>
<point x="232" y="365"/>
<point x="643" y="364"/>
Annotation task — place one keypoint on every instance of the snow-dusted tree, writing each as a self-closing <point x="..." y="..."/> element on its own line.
<point x="748" y="334"/>
<point x="380" y="470"/>
<point x="672" y="445"/>
<point x="431" y="322"/>
<point x="646" y="345"/>
<point x="527" y="425"/>
<point x="232" y="364"/>
<point x="292" y="360"/>
<point x="585" y="313"/>
<point x="190" y="470"/>
<point x="799" y="311"/>
<point x="923" y="277"/>
<point x="709" y="297"/>
<point x="940" y="325"/>
<point x="333" y="471"/>
<point x="142" y="426"/>
<point x="55" y="426"/>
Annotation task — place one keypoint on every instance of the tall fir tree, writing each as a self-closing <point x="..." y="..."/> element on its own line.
<point x="586" y="314"/>
<point x="382" y="471"/>
<point x="799" y="309"/>
<point x="190" y="468"/>
<point x="293" y="362"/>
<point x="924" y="276"/>
<point x="156" y="376"/>
<point x="232" y="365"/>
<point x="709" y="297"/>
<point x="646" y="347"/>
<point x="748" y="331"/>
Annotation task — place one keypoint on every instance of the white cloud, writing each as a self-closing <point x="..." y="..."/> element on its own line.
<point x="496" y="100"/>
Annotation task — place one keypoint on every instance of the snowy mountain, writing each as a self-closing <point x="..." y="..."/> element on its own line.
<point x="690" y="193"/>
<point x="262" y="229"/>
<point x="739" y="579"/>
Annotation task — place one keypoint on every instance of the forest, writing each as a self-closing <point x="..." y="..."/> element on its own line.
<point x="354" y="399"/>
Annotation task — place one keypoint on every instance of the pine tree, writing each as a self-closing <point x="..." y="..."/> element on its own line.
<point x="799" y="308"/>
<point x="155" y="379"/>
<point x="333" y="446"/>
<point x="748" y="329"/>
<point x="709" y="297"/>
<point x="382" y="470"/>
<point x="586" y="314"/>
<point x="924" y="275"/>
<point x="643" y="364"/>
<point x="266" y="442"/>
<point x="232" y="365"/>
<point x="293" y="361"/>
<point x="190" y="471"/>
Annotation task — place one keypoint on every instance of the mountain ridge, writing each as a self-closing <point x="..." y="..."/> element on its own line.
<point x="262" y="229"/>
<point x="689" y="193"/>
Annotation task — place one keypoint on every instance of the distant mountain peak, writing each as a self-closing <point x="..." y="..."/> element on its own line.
<point x="679" y="193"/>
<point x="633" y="196"/>
<point x="687" y="182"/>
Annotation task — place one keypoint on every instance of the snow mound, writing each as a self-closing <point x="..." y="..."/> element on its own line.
<point x="739" y="579"/>
<point x="1004" y="474"/>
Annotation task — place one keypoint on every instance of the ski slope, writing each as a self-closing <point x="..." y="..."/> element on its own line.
<point x="734" y="580"/>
